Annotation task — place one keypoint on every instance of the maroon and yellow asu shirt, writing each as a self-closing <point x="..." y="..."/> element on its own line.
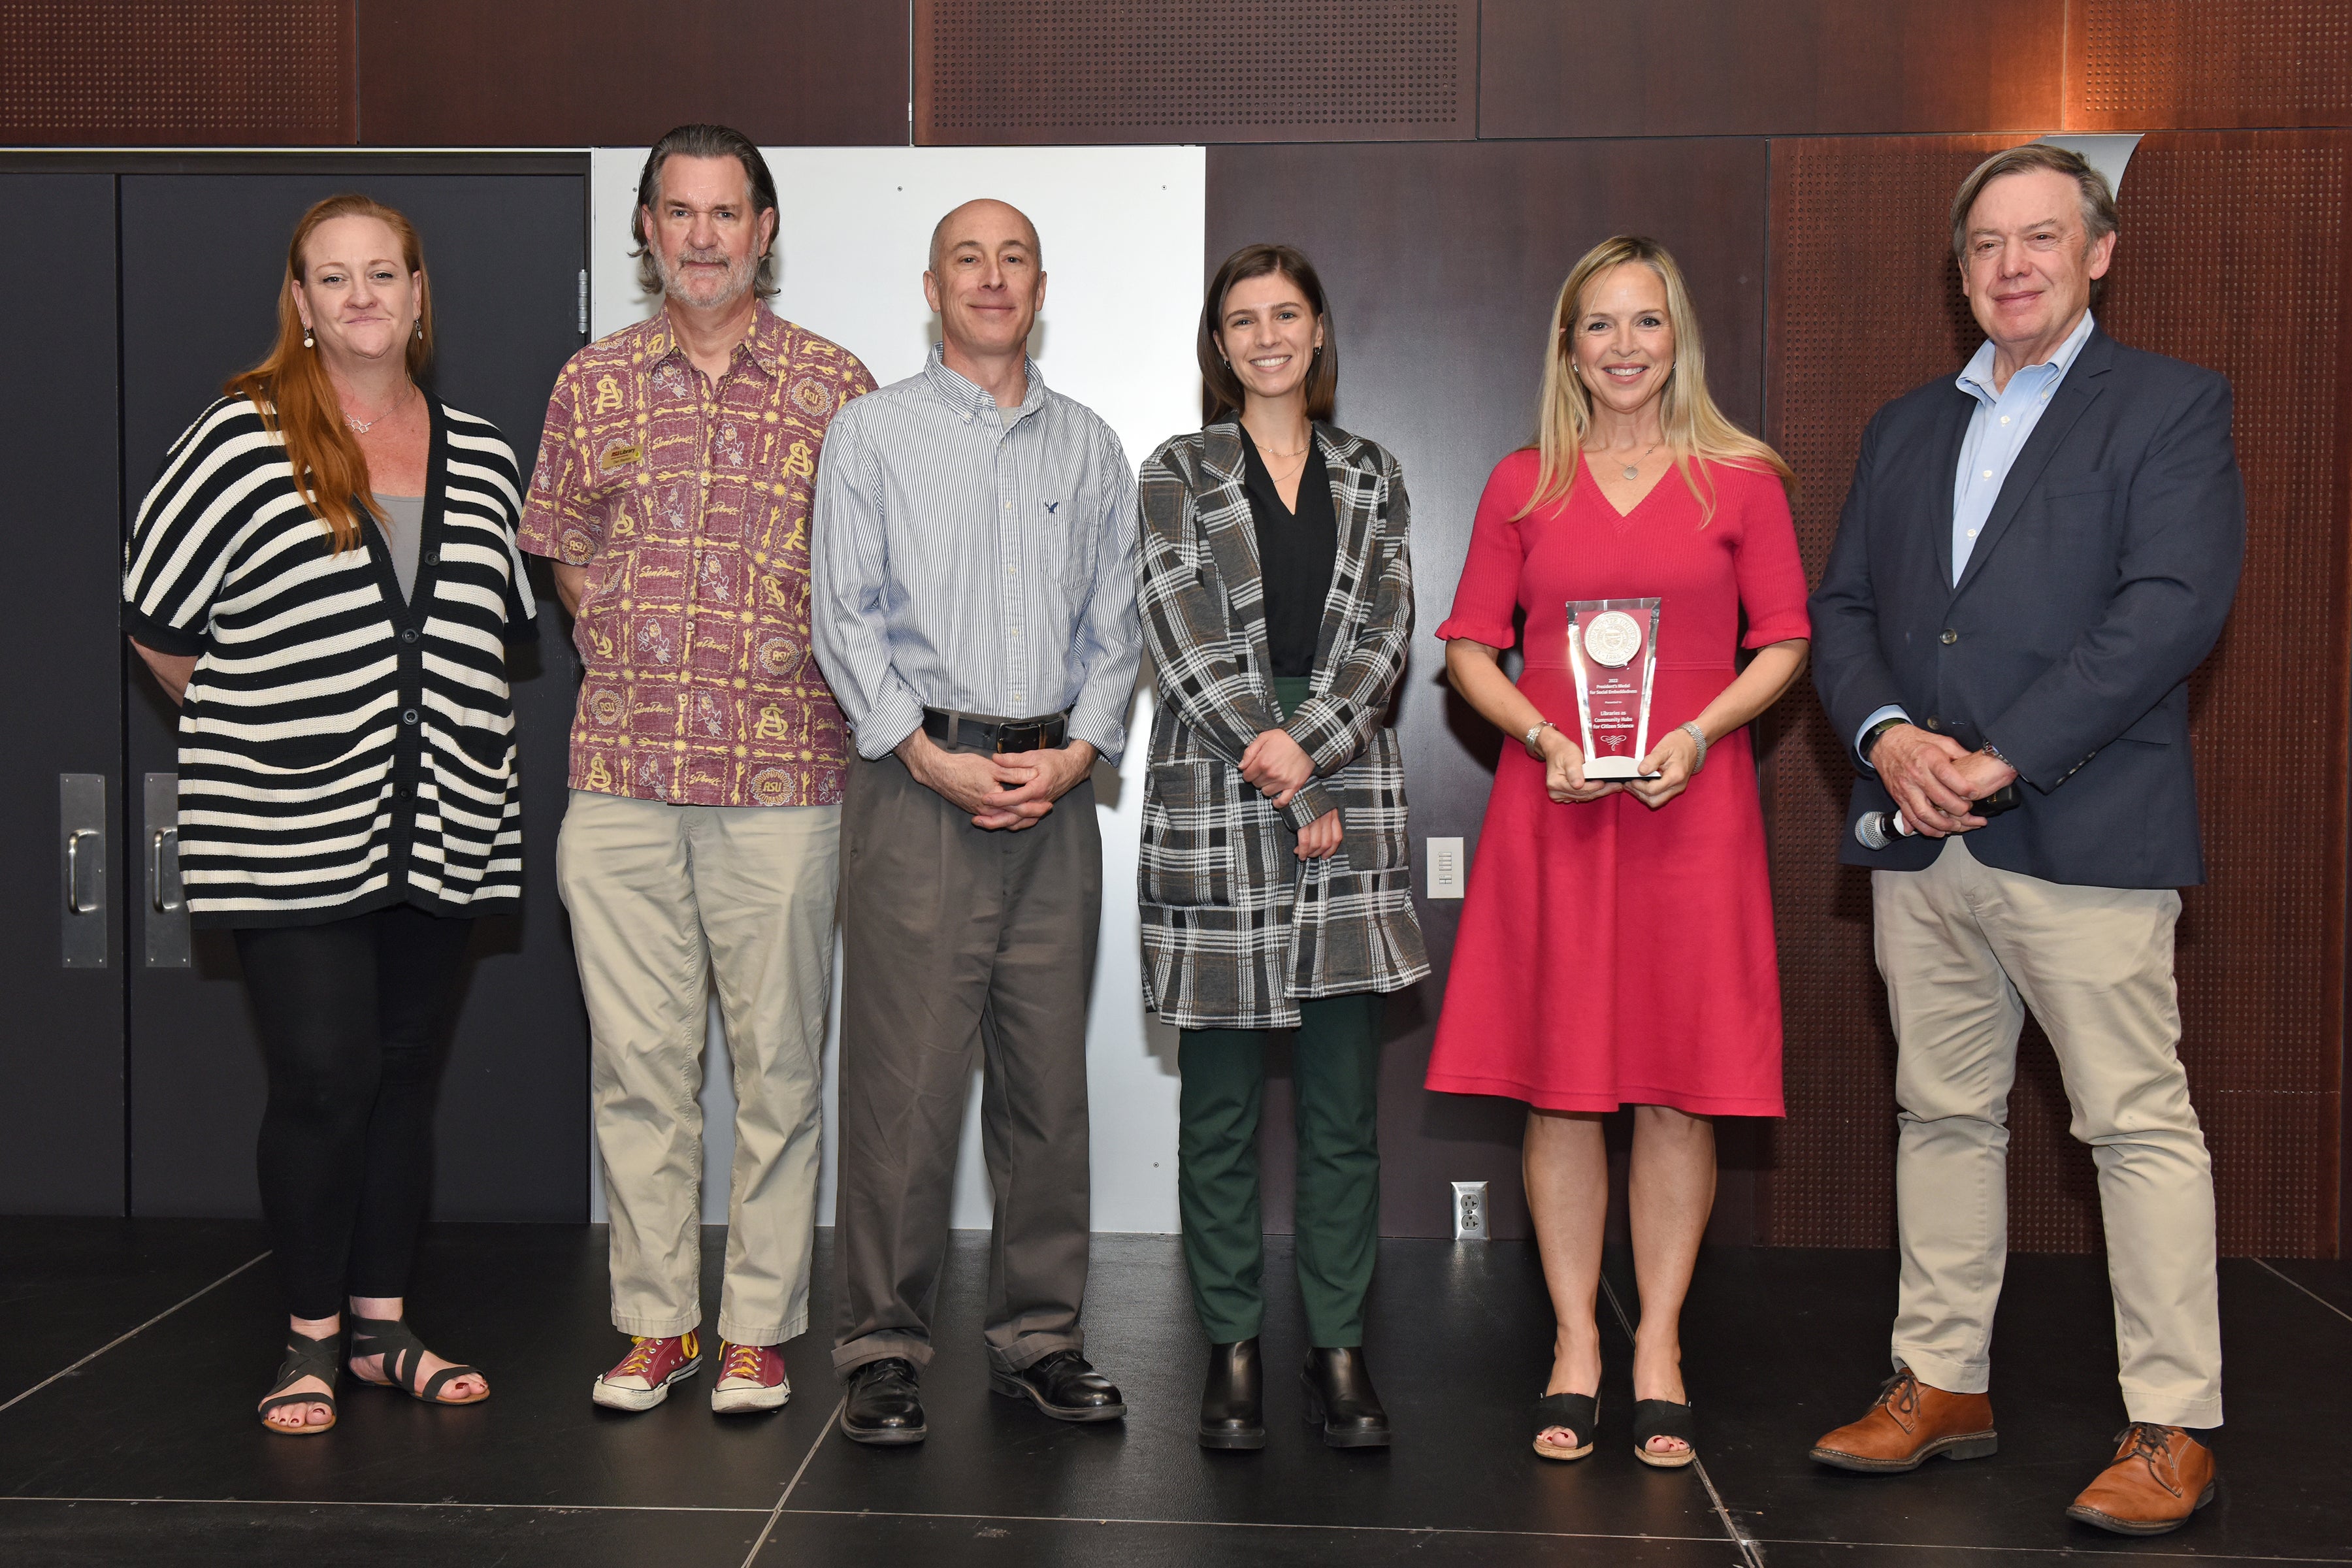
<point x="689" y="503"/>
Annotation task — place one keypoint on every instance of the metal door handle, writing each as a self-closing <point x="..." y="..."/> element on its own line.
<point x="73" y="873"/>
<point x="161" y="873"/>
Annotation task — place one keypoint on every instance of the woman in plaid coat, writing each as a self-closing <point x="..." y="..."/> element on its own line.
<point x="1276" y="594"/>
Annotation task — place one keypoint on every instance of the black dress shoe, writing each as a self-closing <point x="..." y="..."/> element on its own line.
<point x="1064" y="1386"/>
<point x="883" y="1406"/>
<point x="1339" y="1397"/>
<point x="1232" y="1409"/>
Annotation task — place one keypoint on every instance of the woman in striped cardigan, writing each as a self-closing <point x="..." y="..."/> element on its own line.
<point x="325" y="580"/>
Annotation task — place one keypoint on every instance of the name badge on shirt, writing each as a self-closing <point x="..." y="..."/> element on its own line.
<point x="619" y="455"/>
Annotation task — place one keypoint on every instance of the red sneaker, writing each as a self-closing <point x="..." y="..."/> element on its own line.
<point x="641" y="1379"/>
<point x="751" y="1377"/>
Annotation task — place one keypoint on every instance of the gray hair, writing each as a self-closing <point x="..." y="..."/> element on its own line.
<point x="2099" y="218"/>
<point x="702" y="141"/>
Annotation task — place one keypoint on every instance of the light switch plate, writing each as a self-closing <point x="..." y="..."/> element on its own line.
<point x="1445" y="868"/>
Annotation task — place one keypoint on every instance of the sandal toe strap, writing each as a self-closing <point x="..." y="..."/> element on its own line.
<point x="442" y="1379"/>
<point x="1663" y="1418"/>
<point x="1580" y="1413"/>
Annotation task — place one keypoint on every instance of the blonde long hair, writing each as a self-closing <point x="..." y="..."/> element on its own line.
<point x="296" y="398"/>
<point x="1695" y="426"/>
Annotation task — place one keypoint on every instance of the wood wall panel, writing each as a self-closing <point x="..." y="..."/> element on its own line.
<point x="577" y="73"/>
<point x="1708" y="68"/>
<point x="1441" y="261"/>
<point x="177" y="73"/>
<point x="1865" y="305"/>
<point x="2156" y="65"/>
<point x="1028" y="71"/>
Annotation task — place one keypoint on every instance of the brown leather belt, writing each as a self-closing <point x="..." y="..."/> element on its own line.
<point x="985" y="732"/>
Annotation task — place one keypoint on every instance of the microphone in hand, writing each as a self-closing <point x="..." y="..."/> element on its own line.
<point x="1877" y="829"/>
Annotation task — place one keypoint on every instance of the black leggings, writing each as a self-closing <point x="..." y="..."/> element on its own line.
<point x="348" y="1012"/>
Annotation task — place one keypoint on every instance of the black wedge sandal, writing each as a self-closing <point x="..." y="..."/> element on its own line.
<point x="1664" y="1419"/>
<point x="404" y="1355"/>
<point x="1580" y="1413"/>
<point x="305" y="1357"/>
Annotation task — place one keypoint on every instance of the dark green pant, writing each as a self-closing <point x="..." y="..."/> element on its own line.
<point x="1336" y="1069"/>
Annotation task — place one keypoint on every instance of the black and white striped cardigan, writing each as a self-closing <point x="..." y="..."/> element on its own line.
<point x="1236" y="928"/>
<point x="341" y="750"/>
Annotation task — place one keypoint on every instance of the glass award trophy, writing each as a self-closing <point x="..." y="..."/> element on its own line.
<point x="1613" y="649"/>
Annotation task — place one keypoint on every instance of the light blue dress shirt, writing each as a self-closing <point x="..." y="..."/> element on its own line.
<point x="975" y="558"/>
<point x="1997" y="432"/>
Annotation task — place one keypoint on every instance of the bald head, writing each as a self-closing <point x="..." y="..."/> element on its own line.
<point x="986" y="223"/>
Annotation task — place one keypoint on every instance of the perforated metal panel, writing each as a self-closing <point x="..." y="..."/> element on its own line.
<point x="1864" y="304"/>
<point x="2262" y="945"/>
<point x="2149" y="65"/>
<point x="993" y="71"/>
<point x="186" y="73"/>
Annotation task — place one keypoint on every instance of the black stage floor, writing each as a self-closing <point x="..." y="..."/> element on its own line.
<point x="131" y="1353"/>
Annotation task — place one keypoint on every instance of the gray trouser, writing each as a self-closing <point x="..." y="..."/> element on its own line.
<point x="956" y="940"/>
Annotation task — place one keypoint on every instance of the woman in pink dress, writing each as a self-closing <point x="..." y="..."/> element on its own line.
<point x="1616" y="947"/>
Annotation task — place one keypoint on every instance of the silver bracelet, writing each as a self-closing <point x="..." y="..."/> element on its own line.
<point x="1538" y="728"/>
<point x="1696" y="733"/>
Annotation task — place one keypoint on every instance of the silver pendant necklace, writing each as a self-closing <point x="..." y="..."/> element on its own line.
<point x="1633" y="471"/>
<point x="364" y="425"/>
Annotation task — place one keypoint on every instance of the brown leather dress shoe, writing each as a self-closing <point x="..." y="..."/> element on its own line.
<point x="1910" y="1425"/>
<point x="2161" y="1476"/>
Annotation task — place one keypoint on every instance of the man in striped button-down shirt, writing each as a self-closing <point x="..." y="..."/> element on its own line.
<point x="974" y="566"/>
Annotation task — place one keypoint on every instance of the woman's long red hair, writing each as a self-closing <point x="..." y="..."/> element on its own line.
<point x="296" y="398"/>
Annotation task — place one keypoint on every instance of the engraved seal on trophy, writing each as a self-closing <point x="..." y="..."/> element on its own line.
<point x="1613" y="639"/>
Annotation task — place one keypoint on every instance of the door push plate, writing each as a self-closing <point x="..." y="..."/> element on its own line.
<point x="81" y="867"/>
<point x="165" y="916"/>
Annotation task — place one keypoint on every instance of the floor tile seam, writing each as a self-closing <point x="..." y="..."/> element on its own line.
<point x="134" y="1333"/>
<point x="806" y="1459"/>
<point x="1749" y="1553"/>
<point x="1251" y="1524"/>
<point x="2120" y="1550"/>
<point x="394" y="1502"/>
<point x="2291" y="1279"/>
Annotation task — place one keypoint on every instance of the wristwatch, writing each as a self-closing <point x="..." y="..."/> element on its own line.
<point x="1872" y="736"/>
<point x="1993" y="752"/>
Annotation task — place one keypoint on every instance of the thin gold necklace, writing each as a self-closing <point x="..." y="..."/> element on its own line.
<point x="1633" y="471"/>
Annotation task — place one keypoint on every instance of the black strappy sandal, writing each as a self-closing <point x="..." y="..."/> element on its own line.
<point x="404" y="1355"/>
<point x="305" y="1357"/>
<point x="1664" y="1419"/>
<point x="1580" y="1413"/>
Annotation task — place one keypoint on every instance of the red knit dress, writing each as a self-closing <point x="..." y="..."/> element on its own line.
<point x="1609" y="954"/>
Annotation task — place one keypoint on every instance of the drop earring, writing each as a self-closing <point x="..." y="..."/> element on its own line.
<point x="306" y="337"/>
<point x="420" y="329"/>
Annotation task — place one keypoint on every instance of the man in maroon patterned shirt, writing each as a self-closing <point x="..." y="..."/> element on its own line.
<point x="673" y="491"/>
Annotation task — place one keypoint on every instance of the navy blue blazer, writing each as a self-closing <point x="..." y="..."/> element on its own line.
<point x="2099" y="582"/>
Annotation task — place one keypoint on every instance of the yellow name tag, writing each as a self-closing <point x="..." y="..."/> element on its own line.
<point x="619" y="456"/>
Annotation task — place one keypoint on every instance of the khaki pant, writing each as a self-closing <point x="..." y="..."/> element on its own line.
<point x="1965" y="948"/>
<point x="959" y="943"/>
<point x="663" y="899"/>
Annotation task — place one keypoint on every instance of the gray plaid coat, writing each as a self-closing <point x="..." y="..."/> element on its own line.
<point x="1236" y="928"/>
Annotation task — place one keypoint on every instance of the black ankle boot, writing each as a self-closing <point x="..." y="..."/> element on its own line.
<point x="1340" y="1396"/>
<point x="1232" y="1409"/>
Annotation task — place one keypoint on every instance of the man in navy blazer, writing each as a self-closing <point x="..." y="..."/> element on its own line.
<point x="2032" y="561"/>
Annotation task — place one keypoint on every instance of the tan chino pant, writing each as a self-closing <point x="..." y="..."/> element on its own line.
<point x="1965" y="948"/>
<point x="664" y="901"/>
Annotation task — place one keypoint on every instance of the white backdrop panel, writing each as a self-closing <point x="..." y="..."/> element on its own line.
<point x="1122" y="230"/>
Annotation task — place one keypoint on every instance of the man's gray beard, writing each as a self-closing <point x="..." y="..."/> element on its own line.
<point x="739" y="275"/>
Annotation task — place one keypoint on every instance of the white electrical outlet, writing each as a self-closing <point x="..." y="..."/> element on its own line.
<point x="1445" y="868"/>
<point x="1469" y="1211"/>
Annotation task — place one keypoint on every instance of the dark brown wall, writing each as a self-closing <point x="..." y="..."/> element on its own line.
<point x="1007" y="71"/>
<point x="199" y="72"/>
<point x="1442" y="262"/>
<point x="556" y="73"/>
<point x="2149" y="64"/>
<point x="1700" y="67"/>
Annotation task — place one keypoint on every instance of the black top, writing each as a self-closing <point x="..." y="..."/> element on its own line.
<point x="1296" y="554"/>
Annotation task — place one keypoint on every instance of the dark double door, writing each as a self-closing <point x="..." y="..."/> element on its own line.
<point x="134" y="1082"/>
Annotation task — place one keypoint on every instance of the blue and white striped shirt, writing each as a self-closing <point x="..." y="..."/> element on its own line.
<point x="977" y="559"/>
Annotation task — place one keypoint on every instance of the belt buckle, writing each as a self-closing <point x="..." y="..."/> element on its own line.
<point x="1020" y="737"/>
